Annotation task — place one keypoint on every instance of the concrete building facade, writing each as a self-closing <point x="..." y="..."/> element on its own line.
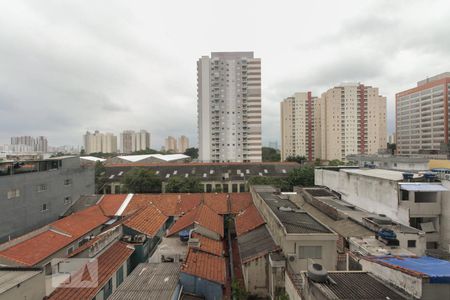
<point x="350" y="119"/>
<point x="38" y="192"/>
<point x="297" y="126"/>
<point x="132" y="141"/>
<point x="171" y="144"/>
<point x="422" y="116"/>
<point x="229" y="107"/>
<point x="183" y="143"/>
<point x="99" y="142"/>
<point x="30" y="144"/>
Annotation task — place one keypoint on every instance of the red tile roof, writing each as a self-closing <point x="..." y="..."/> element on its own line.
<point x="201" y="215"/>
<point x="168" y="204"/>
<point x="111" y="203"/>
<point x="206" y="266"/>
<point x="140" y="201"/>
<point x="209" y="245"/>
<point x="188" y="202"/>
<point x="240" y="201"/>
<point x="65" y="231"/>
<point x="248" y="220"/>
<point x="218" y="202"/>
<point x="34" y="250"/>
<point x="108" y="264"/>
<point x="148" y="221"/>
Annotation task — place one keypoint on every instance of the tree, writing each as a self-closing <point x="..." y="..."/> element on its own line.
<point x="146" y="151"/>
<point x="192" y="152"/>
<point x="303" y="176"/>
<point x="100" y="178"/>
<point x="298" y="158"/>
<point x="142" y="181"/>
<point x="336" y="162"/>
<point x="270" y="154"/>
<point x="82" y="152"/>
<point x="179" y="184"/>
<point x="391" y="148"/>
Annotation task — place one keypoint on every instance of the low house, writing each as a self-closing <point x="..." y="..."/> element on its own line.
<point x="22" y="283"/>
<point x="99" y="278"/>
<point x="151" y="281"/>
<point x="203" y="274"/>
<point x="203" y="219"/>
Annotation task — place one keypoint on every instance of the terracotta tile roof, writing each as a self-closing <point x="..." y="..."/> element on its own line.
<point x="218" y="202"/>
<point x="209" y="245"/>
<point x="108" y="263"/>
<point x="168" y="204"/>
<point x="65" y="231"/>
<point x="34" y="250"/>
<point x="188" y="202"/>
<point x="148" y="221"/>
<point x="201" y="215"/>
<point x="81" y="222"/>
<point x="140" y="201"/>
<point x="248" y="220"/>
<point x="111" y="203"/>
<point x="206" y="266"/>
<point x="240" y="201"/>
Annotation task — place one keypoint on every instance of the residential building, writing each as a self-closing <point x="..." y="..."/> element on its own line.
<point x="41" y="144"/>
<point x="171" y="144"/>
<point x="183" y="144"/>
<point x="38" y="144"/>
<point x="22" y="283"/>
<point x="350" y="119"/>
<point x="229" y="107"/>
<point x="297" y="126"/>
<point x="35" y="193"/>
<point x="412" y="199"/>
<point x="225" y="177"/>
<point x="391" y="138"/>
<point x="132" y="141"/>
<point x="99" y="142"/>
<point x="422" y="116"/>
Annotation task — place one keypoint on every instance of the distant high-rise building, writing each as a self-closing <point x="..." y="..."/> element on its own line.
<point x="229" y="107"/>
<point x="297" y="126"/>
<point x="183" y="144"/>
<point x="422" y="118"/>
<point x="39" y="144"/>
<point x="100" y="142"/>
<point x="350" y="119"/>
<point x="391" y="138"/>
<point x="171" y="144"/>
<point x="131" y="141"/>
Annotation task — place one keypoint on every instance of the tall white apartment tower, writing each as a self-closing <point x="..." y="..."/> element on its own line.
<point x="350" y="119"/>
<point x="229" y="107"/>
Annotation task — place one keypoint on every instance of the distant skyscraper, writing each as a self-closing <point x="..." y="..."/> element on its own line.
<point x="171" y="144"/>
<point x="39" y="144"/>
<point x="229" y="107"/>
<point x="100" y="142"/>
<point x="183" y="144"/>
<point x="297" y="126"/>
<point x="422" y="118"/>
<point x="131" y="141"/>
<point x="350" y="119"/>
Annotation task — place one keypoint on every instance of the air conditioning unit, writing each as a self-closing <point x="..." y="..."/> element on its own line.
<point x="291" y="257"/>
<point x="127" y="238"/>
<point x="194" y="243"/>
<point x="139" y="238"/>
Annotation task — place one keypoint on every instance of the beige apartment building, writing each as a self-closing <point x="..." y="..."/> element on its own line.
<point x="99" y="142"/>
<point x="229" y="107"/>
<point x="349" y="119"/>
<point x="183" y="143"/>
<point x="132" y="141"/>
<point x="297" y="126"/>
<point x="171" y="144"/>
<point x="422" y="116"/>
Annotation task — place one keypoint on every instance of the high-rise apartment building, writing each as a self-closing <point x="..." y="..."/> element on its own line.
<point x="297" y="126"/>
<point x="171" y="144"/>
<point x="350" y="119"/>
<point x="183" y="144"/>
<point x="229" y="107"/>
<point x="132" y="141"/>
<point x="100" y="142"/>
<point x="422" y="116"/>
<point x="38" y="144"/>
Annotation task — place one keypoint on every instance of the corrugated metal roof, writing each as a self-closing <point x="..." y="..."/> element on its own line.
<point x="149" y="281"/>
<point x="255" y="243"/>
<point x="423" y="187"/>
<point x="356" y="285"/>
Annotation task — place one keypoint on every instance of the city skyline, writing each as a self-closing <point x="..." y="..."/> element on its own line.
<point x="112" y="89"/>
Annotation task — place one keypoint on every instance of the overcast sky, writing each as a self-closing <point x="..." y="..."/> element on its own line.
<point x="71" y="66"/>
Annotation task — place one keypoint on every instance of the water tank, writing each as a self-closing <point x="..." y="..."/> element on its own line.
<point x="408" y="176"/>
<point x="317" y="273"/>
<point x="429" y="176"/>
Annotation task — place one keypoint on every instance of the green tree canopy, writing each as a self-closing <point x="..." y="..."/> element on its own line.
<point x="303" y="176"/>
<point x="298" y="158"/>
<point x="192" y="152"/>
<point x="336" y="162"/>
<point x="179" y="184"/>
<point x="142" y="181"/>
<point x="100" y="178"/>
<point x="270" y="154"/>
<point x="146" y="151"/>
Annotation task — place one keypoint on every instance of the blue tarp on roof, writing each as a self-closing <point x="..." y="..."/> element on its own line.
<point x="437" y="270"/>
